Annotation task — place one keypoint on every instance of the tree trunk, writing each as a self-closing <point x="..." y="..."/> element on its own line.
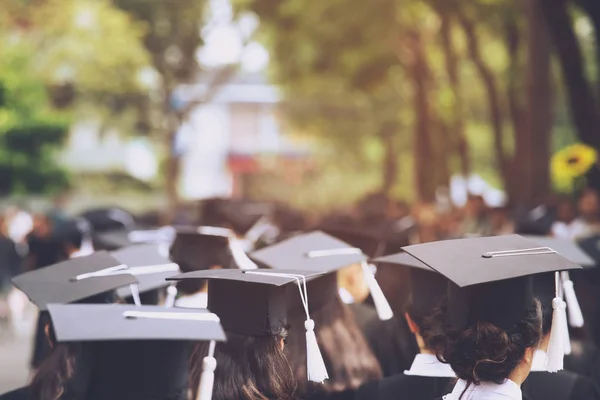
<point x="390" y="158"/>
<point x="423" y="148"/>
<point x="518" y="184"/>
<point x="539" y="119"/>
<point x="584" y="108"/>
<point x="456" y="130"/>
<point x="592" y="9"/>
<point x="493" y="96"/>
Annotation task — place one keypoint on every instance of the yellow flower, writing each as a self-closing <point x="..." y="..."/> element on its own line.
<point x="571" y="163"/>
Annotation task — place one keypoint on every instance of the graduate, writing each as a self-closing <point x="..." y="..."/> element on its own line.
<point x="120" y="352"/>
<point x="350" y="362"/>
<point x="52" y="284"/>
<point x="204" y="248"/>
<point x="493" y="322"/>
<point x="427" y="378"/>
<point x="563" y="385"/>
<point x="253" y="309"/>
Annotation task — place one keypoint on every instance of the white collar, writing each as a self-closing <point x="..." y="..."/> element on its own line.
<point x="196" y="300"/>
<point x="345" y="296"/>
<point x="509" y="390"/>
<point x="539" y="361"/>
<point x="429" y="365"/>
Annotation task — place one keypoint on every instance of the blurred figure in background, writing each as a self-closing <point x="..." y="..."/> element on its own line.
<point x="43" y="247"/>
<point x="565" y="215"/>
<point x="475" y="221"/>
<point x="588" y="222"/>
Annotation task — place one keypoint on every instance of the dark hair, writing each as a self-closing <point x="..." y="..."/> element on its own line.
<point x="50" y="379"/>
<point x="248" y="368"/>
<point x="484" y="352"/>
<point x="347" y="356"/>
<point x="430" y="326"/>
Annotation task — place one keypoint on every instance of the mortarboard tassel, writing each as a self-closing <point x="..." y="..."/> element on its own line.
<point x="384" y="311"/>
<point x="316" y="371"/>
<point x="573" y="308"/>
<point x="239" y="255"/>
<point x="207" y="379"/>
<point x="171" y="296"/>
<point x="556" y="346"/>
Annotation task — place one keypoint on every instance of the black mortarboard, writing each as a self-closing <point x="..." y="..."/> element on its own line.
<point x="566" y="248"/>
<point x="138" y="352"/>
<point x="427" y="286"/>
<point x="73" y="280"/>
<point x="254" y="303"/>
<point x="371" y="243"/>
<point x="318" y="251"/>
<point x="314" y="251"/>
<point x="109" y="218"/>
<point x="248" y="304"/>
<point x="195" y="251"/>
<point x="112" y="240"/>
<point x="492" y="281"/>
<point x="104" y="322"/>
<point x="148" y="265"/>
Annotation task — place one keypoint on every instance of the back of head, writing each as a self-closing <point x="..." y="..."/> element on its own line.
<point x="484" y="352"/>
<point x="249" y="368"/>
<point x="349" y="360"/>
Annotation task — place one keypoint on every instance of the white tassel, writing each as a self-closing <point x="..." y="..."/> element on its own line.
<point x="315" y="366"/>
<point x="556" y="347"/>
<point x="171" y="296"/>
<point x="573" y="308"/>
<point x="316" y="371"/>
<point x="207" y="379"/>
<point x="239" y="255"/>
<point x="565" y="326"/>
<point x="384" y="311"/>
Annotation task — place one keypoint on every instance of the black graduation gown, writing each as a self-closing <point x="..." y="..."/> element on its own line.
<point x="564" y="385"/>
<point x="391" y="341"/>
<point x="17" y="394"/>
<point x="407" y="387"/>
<point x="585" y="361"/>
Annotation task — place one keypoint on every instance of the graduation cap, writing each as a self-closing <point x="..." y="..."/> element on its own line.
<point x="574" y="253"/>
<point x="491" y="281"/>
<point x="254" y="303"/>
<point x="371" y="243"/>
<point x="199" y="248"/>
<point x="318" y="251"/>
<point x="74" y="280"/>
<point x="427" y="286"/>
<point x="113" y="239"/>
<point x="149" y="266"/>
<point x="145" y="331"/>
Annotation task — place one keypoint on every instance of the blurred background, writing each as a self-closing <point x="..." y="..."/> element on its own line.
<point x="442" y="111"/>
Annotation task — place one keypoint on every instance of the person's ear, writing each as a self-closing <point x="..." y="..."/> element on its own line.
<point x="282" y="344"/>
<point x="48" y="337"/>
<point x="528" y="357"/>
<point x="414" y="328"/>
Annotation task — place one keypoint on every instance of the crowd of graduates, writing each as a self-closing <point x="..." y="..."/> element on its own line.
<point x="240" y="299"/>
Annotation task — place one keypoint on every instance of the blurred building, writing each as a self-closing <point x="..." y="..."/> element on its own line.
<point x="228" y="140"/>
<point x="234" y="138"/>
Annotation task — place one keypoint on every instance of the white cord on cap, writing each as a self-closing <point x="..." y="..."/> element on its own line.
<point x="556" y="345"/>
<point x="316" y="371"/>
<point x="384" y="311"/>
<point x="573" y="308"/>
